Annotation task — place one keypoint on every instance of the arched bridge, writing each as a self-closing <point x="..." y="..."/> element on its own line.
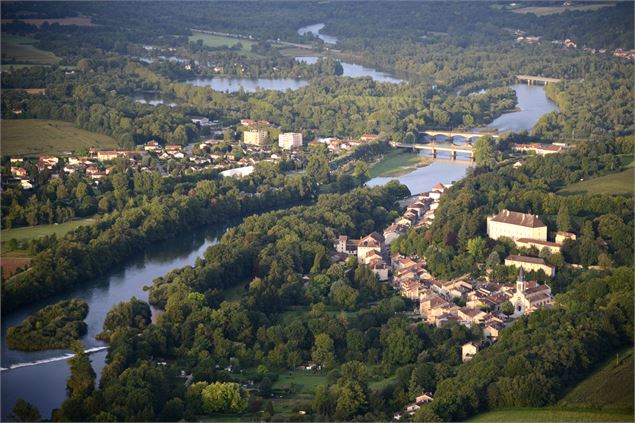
<point x="434" y="148"/>
<point x="451" y="134"/>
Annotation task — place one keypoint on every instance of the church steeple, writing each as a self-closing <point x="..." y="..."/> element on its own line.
<point x="520" y="283"/>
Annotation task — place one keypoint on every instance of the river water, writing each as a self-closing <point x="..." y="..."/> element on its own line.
<point x="44" y="385"/>
<point x="315" y="30"/>
<point x="355" y="71"/>
<point x="532" y="103"/>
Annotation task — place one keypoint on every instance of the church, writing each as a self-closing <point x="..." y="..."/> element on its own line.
<point x="529" y="296"/>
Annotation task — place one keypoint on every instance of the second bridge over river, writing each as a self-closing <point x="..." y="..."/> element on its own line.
<point x="434" y="148"/>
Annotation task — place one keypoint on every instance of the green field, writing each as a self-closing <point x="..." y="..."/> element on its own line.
<point x="299" y="381"/>
<point x="396" y="163"/>
<point x="30" y="137"/>
<point x="550" y="10"/>
<point x="551" y="415"/>
<point x="620" y="183"/>
<point x="16" y="49"/>
<point x="604" y="396"/>
<point x="210" y="40"/>
<point x="28" y="233"/>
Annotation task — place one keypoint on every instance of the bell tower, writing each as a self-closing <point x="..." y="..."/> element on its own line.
<point x="520" y="283"/>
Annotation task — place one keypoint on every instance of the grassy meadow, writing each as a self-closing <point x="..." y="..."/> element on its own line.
<point x="21" y="50"/>
<point x="604" y="396"/>
<point x="31" y="137"/>
<point x="620" y="183"/>
<point x="27" y="233"/>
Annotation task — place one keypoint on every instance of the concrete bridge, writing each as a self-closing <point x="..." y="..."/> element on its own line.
<point x="451" y="134"/>
<point x="531" y="80"/>
<point x="434" y="148"/>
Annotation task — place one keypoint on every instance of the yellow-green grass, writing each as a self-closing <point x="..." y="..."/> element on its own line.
<point x="608" y="388"/>
<point x="548" y="10"/>
<point x="398" y="162"/>
<point x="620" y="183"/>
<point x="28" y="233"/>
<point x="31" y="137"/>
<point x="211" y="40"/>
<point x="604" y="396"/>
<point x="16" y="49"/>
<point x="549" y="414"/>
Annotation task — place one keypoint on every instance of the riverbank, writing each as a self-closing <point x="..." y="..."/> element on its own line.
<point x="397" y="163"/>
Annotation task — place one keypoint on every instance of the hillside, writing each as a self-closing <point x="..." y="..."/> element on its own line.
<point x="31" y="137"/>
<point x="605" y="396"/>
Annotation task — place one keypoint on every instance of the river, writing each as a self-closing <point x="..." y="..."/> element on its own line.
<point x="355" y="71"/>
<point x="532" y="103"/>
<point x="315" y="30"/>
<point x="44" y="385"/>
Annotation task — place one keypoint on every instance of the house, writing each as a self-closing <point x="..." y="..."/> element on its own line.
<point x="430" y="302"/>
<point x="379" y="267"/>
<point x="371" y="242"/>
<point x="471" y="315"/>
<point x="531" y="263"/>
<point x="561" y="237"/>
<point x="393" y="232"/>
<point x="410" y="289"/>
<point x="424" y="398"/>
<point x="529" y="296"/>
<point x="346" y="245"/>
<point x="516" y="225"/>
<point x="19" y="172"/>
<point x="26" y="184"/>
<point x="152" y="145"/>
<point x="540" y="149"/>
<point x="492" y="330"/>
<point x="368" y="137"/>
<point x="172" y="147"/>
<point x="553" y="247"/>
<point x="468" y="351"/>
<point x="290" y="140"/>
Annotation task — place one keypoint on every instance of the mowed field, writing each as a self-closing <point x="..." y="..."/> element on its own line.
<point x="28" y="233"/>
<point x="31" y="137"/>
<point x="605" y="396"/>
<point x="547" y="10"/>
<point x="621" y="183"/>
<point x="210" y="40"/>
<point x="20" y="50"/>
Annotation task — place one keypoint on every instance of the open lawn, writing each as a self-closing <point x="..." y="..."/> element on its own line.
<point x="548" y="10"/>
<point x="16" y="49"/>
<point x="620" y="183"/>
<point x="32" y="137"/>
<point x="211" y="40"/>
<point x="300" y="381"/>
<point x="28" y="233"/>
<point x="398" y="162"/>
<point x="604" y="396"/>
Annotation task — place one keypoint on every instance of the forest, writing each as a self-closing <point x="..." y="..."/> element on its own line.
<point x="225" y="338"/>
